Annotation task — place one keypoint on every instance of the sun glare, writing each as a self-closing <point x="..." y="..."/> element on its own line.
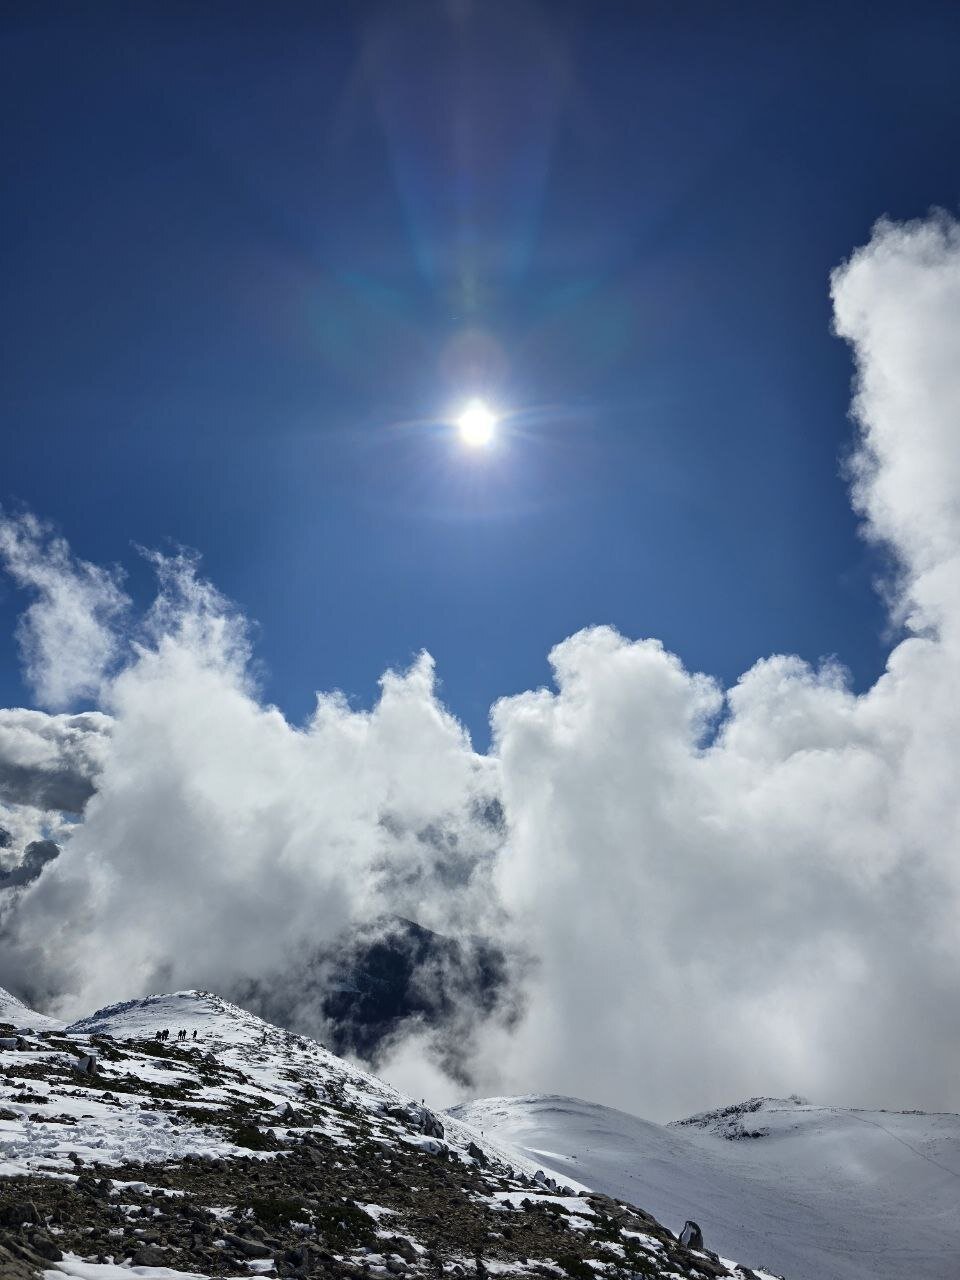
<point x="477" y="424"/>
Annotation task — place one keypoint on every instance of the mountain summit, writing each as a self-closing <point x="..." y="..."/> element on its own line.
<point x="183" y="1136"/>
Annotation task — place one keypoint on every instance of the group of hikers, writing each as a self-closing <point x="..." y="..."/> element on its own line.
<point x="165" y="1035"/>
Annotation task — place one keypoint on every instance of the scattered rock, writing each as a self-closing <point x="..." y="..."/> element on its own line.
<point x="149" y="1256"/>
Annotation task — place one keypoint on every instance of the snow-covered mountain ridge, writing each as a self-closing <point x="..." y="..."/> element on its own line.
<point x="819" y="1193"/>
<point x="228" y="1147"/>
<point x="15" y="1013"/>
<point x="735" y="1121"/>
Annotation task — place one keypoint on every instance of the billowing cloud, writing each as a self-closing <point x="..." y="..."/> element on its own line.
<point x="37" y="855"/>
<point x="51" y="762"/>
<point x="67" y="635"/>
<point x="716" y="892"/>
<point x="223" y="844"/>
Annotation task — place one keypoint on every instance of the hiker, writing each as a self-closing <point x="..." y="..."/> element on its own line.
<point x="158" y="1036"/>
<point x="194" y="1034"/>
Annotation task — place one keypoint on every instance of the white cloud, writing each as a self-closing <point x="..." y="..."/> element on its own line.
<point x="726" y="892"/>
<point x="896" y="302"/>
<point x="776" y="910"/>
<point x="67" y="635"/>
<point x="222" y="841"/>
<point x="51" y="762"/>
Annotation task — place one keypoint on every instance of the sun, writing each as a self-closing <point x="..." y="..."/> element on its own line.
<point x="477" y="425"/>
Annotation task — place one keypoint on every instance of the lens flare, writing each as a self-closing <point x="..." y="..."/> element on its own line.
<point x="477" y="425"/>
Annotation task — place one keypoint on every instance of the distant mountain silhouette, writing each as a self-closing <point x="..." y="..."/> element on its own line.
<point x="389" y="977"/>
<point x="402" y="971"/>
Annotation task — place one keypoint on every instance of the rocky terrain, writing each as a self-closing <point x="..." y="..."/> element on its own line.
<point x="237" y="1149"/>
<point x="734" y="1122"/>
<point x="814" y="1192"/>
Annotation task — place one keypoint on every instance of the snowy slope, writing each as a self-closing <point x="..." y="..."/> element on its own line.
<point x="823" y="1193"/>
<point x="16" y="1012"/>
<point x="241" y="1042"/>
<point x="252" y="1149"/>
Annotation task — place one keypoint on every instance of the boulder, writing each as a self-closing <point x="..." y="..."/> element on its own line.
<point x="249" y="1248"/>
<point x="149" y="1256"/>
<point x="45" y="1248"/>
<point x="17" y="1212"/>
<point x="430" y="1124"/>
<point x="402" y="1246"/>
<point x="691" y="1235"/>
<point x="17" y="1266"/>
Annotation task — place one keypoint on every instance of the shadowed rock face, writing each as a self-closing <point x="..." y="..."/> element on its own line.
<point x="390" y="977"/>
<point x="407" y="972"/>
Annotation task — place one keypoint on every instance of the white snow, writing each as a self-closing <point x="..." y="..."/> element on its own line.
<point x="572" y="1204"/>
<point x="132" y="1127"/>
<point x="79" y="1270"/>
<point x="828" y="1194"/>
<point x="15" y="1011"/>
<point x="65" y="1114"/>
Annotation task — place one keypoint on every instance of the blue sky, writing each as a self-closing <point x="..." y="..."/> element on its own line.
<point x="253" y="258"/>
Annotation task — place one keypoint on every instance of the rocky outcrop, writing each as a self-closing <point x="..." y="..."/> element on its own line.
<point x="284" y="1160"/>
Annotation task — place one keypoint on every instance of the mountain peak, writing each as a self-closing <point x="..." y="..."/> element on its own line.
<point x="250" y="1145"/>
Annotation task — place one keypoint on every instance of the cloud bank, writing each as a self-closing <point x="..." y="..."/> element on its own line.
<point x="711" y="893"/>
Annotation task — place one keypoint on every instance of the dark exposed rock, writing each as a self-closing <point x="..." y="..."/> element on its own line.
<point x="45" y="1248"/>
<point x="402" y="1246"/>
<point x="691" y="1235"/>
<point x="249" y="1248"/>
<point x="430" y="1124"/>
<point x="18" y="1262"/>
<point x="17" y="1212"/>
<point x="299" y="1204"/>
<point x="150" y="1256"/>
